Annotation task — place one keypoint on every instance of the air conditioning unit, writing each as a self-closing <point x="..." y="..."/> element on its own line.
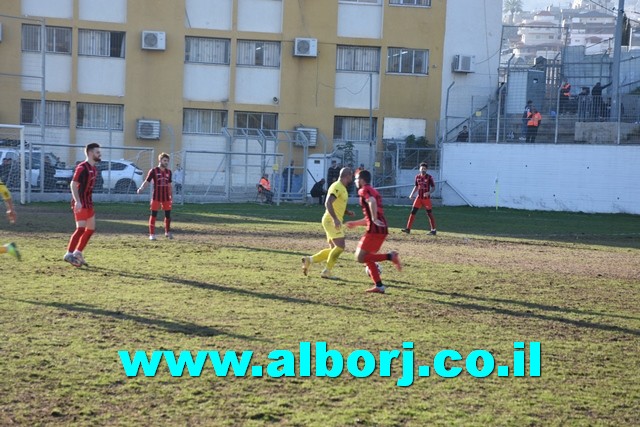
<point x="463" y="64"/>
<point x="310" y="133"/>
<point x="148" y="129"/>
<point x="154" y="40"/>
<point x="305" y="47"/>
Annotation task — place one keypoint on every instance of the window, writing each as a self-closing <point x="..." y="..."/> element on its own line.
<point x="411" y="2"/>
<point x="407" y="61"/>
<point x="263" y="54"/>
<point x="99" y="116"/>
<point x="264" y="121"/>
<point x="353" y="128"/>
<point x="206" y="50"/>
<point x="208" y="122"/>
<point x="356" y="58"/>
<point x="362" y="1"/>
<point x="101" y="43"/>
<point x="56" y="113"/>
<point x="57" y="40"/>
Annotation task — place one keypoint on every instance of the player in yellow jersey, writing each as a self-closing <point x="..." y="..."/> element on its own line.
<point x="9" y="248"/>
<point x="336" y="208"/>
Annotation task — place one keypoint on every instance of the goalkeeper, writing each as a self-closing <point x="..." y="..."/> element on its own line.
<point x="11" y="214"/>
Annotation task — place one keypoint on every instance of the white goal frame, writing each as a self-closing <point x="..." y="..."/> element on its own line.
<point x="23" y="188"/>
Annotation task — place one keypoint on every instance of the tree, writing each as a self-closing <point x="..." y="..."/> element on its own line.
<point x="512" y="7"/>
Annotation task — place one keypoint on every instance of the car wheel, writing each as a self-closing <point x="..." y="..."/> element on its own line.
<point x="125" y="186"/>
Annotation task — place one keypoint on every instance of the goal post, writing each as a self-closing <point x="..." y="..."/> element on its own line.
<point x="12" y="145"/>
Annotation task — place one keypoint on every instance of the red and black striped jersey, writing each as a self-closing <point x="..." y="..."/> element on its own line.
<point x="365" y="194"/>
<point x="85" y="175"/>
<point x="424" y="184"/>
<point x="161" y="183"/>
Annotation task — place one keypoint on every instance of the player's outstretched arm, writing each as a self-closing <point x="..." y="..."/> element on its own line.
<point x="358" y="223"/>
<point x="142" y="187"/>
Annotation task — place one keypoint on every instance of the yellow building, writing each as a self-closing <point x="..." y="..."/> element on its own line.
<point x="170" y="74"/>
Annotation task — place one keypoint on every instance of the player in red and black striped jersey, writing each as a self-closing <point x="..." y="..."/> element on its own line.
<point x="424" y="185"/>
<point x="377" y="231"/>
<point x="162" y="195"/>
<point x="84" y="178"/>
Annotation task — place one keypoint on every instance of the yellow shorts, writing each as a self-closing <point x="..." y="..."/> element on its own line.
<point x="330" y="228"/>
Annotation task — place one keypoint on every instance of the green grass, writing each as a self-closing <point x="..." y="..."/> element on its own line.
<point x="231" y="280"/>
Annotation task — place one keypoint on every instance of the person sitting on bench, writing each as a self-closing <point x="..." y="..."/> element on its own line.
<point x="264" y="187"/>
<point x="318" y="191"/>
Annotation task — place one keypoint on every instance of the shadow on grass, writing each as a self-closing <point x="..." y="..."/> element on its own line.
<point x="186" y="328"/>
<point x="528" y="304"/>
<point x="509" y="312"/>
<point x="222" y="288"/>
<point x="261" y="295"/>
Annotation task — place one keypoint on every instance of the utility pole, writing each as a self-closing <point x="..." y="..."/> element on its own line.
<point x="615" y="69"/>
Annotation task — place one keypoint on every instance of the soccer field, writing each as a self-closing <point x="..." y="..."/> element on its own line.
<point x="231" y="281"/>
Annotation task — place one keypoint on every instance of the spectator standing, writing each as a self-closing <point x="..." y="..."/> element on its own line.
<point x="463" y="135"/>
<point x="534" y="122"/>
<point x="178" y="178"/>
<point x="333" y="173"/>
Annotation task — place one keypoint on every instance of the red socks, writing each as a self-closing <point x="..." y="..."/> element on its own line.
<point x="75" y="238"/>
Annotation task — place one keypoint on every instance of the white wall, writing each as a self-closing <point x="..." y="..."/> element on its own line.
<point x="206" y="82"/>
<point x="101" y="76"/>
<point x="57" y="72"/>
<point x="577" y="178"/>
<point x="360" y="20"/>
<point x="200" y="168"/>
<point x="48" y="8"/>
<point x="263" y="16"/>
<point x="257" y="85"/>
<point x="208" y="14"/>
<point x="472" y="28"/>
<point x="106" y="141"/>
<point x="352" y="90"/>
<point x="397" y="128"/>
<point x="103" y="10"/>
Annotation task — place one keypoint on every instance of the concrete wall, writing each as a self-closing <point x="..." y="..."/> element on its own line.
<point x="577" y="178"/>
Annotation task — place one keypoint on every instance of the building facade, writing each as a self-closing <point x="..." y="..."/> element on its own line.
<point x="172" y="74"/>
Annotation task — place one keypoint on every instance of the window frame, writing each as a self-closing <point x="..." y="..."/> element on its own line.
<point x="363" y="124"/>
<point x="401" y="3"/>
<point x="51" y="113"/>
<point x="53" y="33"/>
<point x="197" y="58"/>
<point x="401" y="70"/>
<point x="245" y="59"/>
<point x="109" y="110"/>
<point x="249" y="118"/>
<point x="108" y="47"/>
<point x="356" y="55"/>
<point x="199" y="121"/>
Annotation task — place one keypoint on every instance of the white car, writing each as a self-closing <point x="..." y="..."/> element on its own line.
<point x="124" y="176"/>
<point x="59" y="179"/>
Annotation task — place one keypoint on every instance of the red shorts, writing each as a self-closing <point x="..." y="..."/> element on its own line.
<point x="164" y="206"/>
<point x="424" y="202"/>
<point x="371" y="243"/>
<point x="84" y="214"/>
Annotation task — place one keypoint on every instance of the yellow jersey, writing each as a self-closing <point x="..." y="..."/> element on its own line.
<point x="4" y="191"/>
<point x="339" y="191"/>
